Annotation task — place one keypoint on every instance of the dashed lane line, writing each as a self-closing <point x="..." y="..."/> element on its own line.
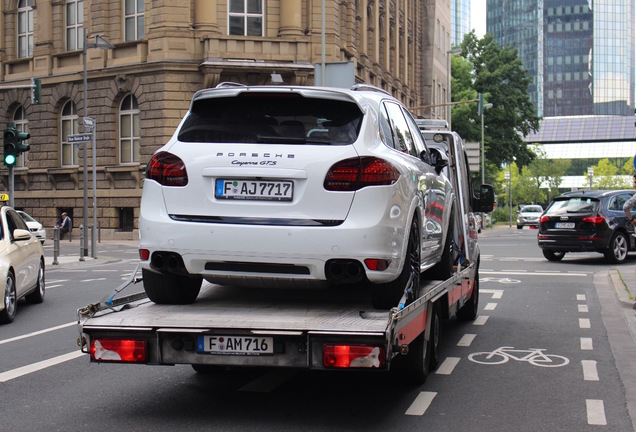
<point x="447" y="367"/>
<point x="481" y="320"/>
<point x="583" y="308"/>
<point x="584" y="323"/>
<point x="595" y="412"/>
<point x="589" y="370"/>
<point x="421" y="403"/>
<point x="39" y="332"/>
<point x="34" y="367"/>
<point x="466" y="340"/>
<point x="586" y="344"/>
<point x="490" y="306"/>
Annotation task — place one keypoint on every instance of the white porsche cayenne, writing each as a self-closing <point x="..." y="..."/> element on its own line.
<point x="294" y="187"/>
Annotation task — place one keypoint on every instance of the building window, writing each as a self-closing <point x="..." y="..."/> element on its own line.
<point x="25" y="28"/>
<point x="74" y="25"/>
<point x="70" y="126"/>
<point x="134" y="20"/>
<point x="126" y="219"/>
<point x="245" y="17"/>
<point x="129" y="130"/>
<point x="22" y="125"/>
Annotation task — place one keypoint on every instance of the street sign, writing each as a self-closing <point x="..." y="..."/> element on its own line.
<point x="79" y="138"/>
<point x="89" y="122"/>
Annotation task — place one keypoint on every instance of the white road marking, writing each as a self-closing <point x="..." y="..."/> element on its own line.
<point x="586" y="344"/>
<point x="580" y="297"/>
<point x="94" y="280"/>
<point x="466" y="340"/>
<point x="583" y="308"/>
<point x="532" y="273"/>
<point x="490" y="306"/>
<point x="34" y="367"/>
<point x="595" y="412"/>
<point x="496" y="294"/>
<point x="421" y="403"/>
<point x="481" y="320"/>
<point x="270" y="381"/>
<point x="589" y="370"/>
<point x="584" y="323"/>
<point x="49" y="286"/>
<point x="447" y="367"/>
<point x="39" y="332"/>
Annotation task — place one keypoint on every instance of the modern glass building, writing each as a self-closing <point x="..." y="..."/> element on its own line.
<point x="460" y="20"/>
<point x="579" y="53"/>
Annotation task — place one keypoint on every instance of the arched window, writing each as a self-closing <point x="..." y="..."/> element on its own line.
<point x="70" y="126"/>
<point x="74" y="25"/>
<point x="133" y="20"/>
<point x="129" y="130"/>
<point x="22" y="125"/>
<point x="25" y="28"/>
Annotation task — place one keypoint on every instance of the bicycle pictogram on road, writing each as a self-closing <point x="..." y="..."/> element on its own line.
<point x="534" y="356"/>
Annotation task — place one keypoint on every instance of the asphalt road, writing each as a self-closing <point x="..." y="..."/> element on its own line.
<point x="563" y="349"/>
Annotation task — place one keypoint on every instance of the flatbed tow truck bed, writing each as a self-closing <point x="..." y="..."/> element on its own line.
<point x="293" y="327"/>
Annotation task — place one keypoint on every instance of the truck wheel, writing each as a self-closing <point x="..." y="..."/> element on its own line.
<point x="434" y="338"/>
<point x="444" y="269"/>
<point x="170" y="288"/>
<point x="468" y="312"/>
<point x="387" y="295"/>
<point x="10" y="300"/>
<point x="413" y="368"/>
<point x="552" y="255"/>
<point x="618" y="248"/>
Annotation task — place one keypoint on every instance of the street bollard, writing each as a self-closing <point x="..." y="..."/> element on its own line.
<point x="81" y="229"/>
<point x="56" y="244"/>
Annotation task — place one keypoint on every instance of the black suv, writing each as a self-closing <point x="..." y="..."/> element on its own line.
<point x="587" y="221"/>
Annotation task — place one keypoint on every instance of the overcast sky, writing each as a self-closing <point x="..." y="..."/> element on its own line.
<point x="478" y="16"/>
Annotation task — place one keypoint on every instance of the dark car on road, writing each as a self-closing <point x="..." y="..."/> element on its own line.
<point x="585" y="221"/>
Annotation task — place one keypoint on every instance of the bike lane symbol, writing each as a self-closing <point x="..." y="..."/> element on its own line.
<point x="534" y="356"/>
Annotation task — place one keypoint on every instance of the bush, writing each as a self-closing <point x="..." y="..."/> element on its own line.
<point x="501" y="215"/>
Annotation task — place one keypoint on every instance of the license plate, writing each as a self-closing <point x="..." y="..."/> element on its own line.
<point x="235" y="345"/>
<point x="266" y="190"/>
<point x="564" y="225"/>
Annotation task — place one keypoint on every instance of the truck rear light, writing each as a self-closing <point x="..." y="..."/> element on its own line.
<point x="118" y="350"/>
<point x="377" y="264"/>
<point x="352" y="356"/>
<point x="167" y="170"/>
<point x="356" y="173"/>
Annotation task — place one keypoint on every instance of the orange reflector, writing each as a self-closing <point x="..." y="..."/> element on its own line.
<point x="118" y="350"/>
<point x="352" y="356"/>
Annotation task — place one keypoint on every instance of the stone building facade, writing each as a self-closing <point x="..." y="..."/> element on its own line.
<point x="139" y="87"/>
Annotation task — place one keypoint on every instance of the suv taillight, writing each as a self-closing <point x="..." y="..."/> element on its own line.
<point x="544" y="219"/>
<point x="167" y="170"/>
<point x="594" y="219"/>
<point x="356" y="173"/>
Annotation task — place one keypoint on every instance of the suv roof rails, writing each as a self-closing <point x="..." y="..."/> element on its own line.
<point x="369" y="87"/>
<point x="229" y="84"/>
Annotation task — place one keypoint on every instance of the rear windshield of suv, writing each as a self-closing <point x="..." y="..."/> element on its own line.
<point x="272" y="118"/>
<point x="573" y="205"/>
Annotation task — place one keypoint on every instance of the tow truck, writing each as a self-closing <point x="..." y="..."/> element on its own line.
<point x="314" y="329"/>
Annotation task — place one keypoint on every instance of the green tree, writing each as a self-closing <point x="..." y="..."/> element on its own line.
<point x="609" y="176"/>
<point x="498" y="74"/>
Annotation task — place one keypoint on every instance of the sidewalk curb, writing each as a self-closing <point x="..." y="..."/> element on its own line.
<point x="622" y="290"/>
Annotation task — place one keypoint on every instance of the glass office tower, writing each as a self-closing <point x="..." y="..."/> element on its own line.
<point x="460" y="20"/>
<point x="579" y="53"/>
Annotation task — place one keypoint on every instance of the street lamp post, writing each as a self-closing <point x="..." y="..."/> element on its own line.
<point x="590" y="174"/>
<point x="449" y="53"/>
<point x="507" y="176"/>
<point x="99" y="43"/>
<point x="483" y="153"/>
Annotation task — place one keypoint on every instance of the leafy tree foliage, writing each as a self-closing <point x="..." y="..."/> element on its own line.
<point x="499" y="75"/>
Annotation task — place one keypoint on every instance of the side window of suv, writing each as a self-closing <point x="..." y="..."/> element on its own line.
<point x="617" y="202"/>
<point x="402" y="137"/>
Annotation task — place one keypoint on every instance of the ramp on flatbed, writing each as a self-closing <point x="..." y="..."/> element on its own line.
<point x="229" y="307"/>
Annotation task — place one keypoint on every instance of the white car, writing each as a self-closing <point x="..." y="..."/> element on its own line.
<point x="36" y="228"/>
<point x="529" y="215"/>
<point x="21" y="264"/>
<point x="295" y="187"/>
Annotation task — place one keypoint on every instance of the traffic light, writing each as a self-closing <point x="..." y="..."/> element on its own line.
<point x="14" y="144"/>
<point x="36" y="90"/>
